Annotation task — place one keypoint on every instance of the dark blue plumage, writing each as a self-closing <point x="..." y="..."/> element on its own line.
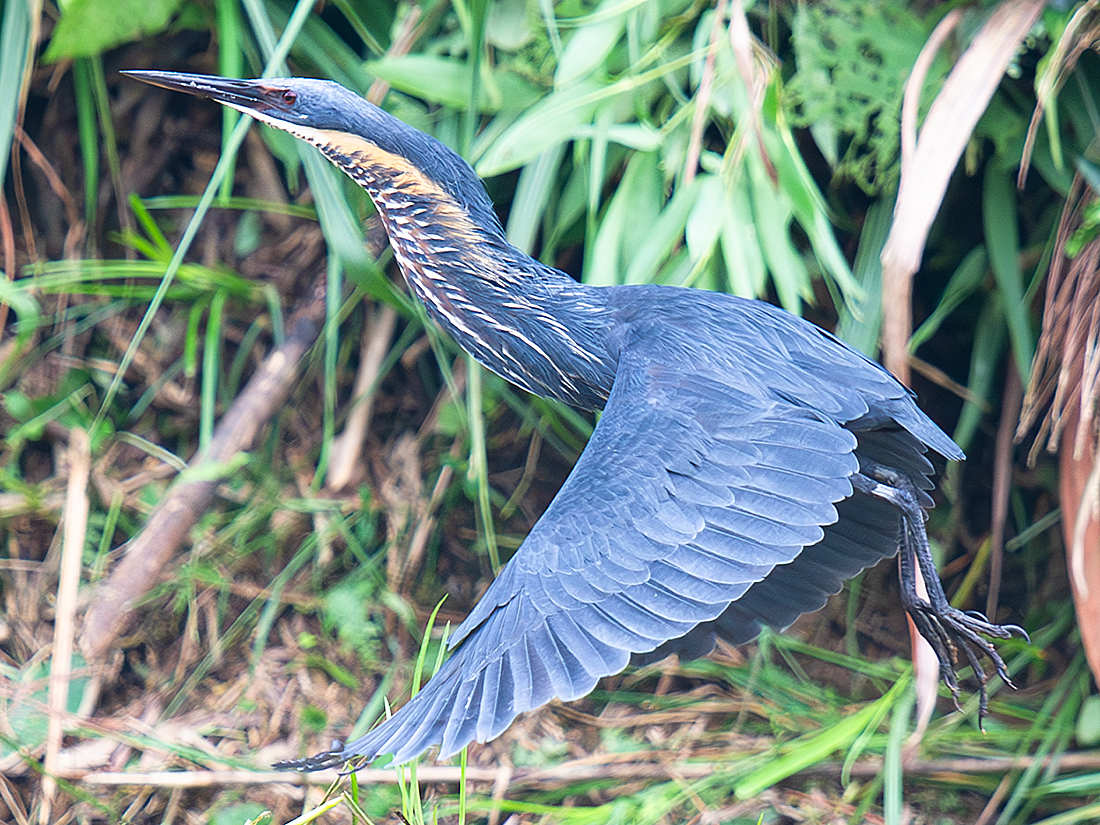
<point x="746" y="463"/>
<point x="701" y="483"/>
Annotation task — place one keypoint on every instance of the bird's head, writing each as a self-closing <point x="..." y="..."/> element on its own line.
<point x="356" y="135"/>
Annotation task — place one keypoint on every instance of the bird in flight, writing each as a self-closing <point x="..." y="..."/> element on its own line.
<point x="746" y="463"/>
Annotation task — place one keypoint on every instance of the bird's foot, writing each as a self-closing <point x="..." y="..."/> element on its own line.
<point x="957" y="637"/>
<point x="333" y="758"/>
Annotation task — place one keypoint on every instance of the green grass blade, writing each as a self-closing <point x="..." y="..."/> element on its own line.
<point x="892" y="803"/>
<point x="89" y="138"/>
<point x="810" y="749"/>
<point x="14" y="54"/>
<point x="230" y="64"/>
<point x="999" y="215"/>
<point x="533" y="191"/>
<point x="985" y="359"/>
<point x="478" y="472"/>
<point x="211" y="361"/>
<point x="861" y="321"/>
<point x="966" y="280"/>
<point x="107" y="130"/>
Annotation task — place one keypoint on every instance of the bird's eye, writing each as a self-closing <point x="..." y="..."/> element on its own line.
<point x="290" y="96"/>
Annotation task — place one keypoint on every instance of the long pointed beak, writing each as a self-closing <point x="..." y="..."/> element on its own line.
<point x="248" y="96"/>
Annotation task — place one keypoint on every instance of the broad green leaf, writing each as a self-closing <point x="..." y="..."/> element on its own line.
<point x="586" y="50"/>
<point x="741" y="245"/>
<point x="861" y="321"/>
<point x="638" y="136"/>
<point x="14" y="37"/>
<point x="661" y="237"/>
<point x="23" y="703"/>
<point x="551" y="121"/>
<point x="642" y="192"/>
<point x="965" y="282"/>
<point x="604" y="265"/>
<point x="509" y="25"/>
<point x="444" y="81"/>
<point x="607" y="10"/>
<point x="1003" y="246"/>
<point x="1088" y="725"/>
<point x="808" y="206"/>
<point x="772" y="213"/>
<point x="90" y="27"/>
<point x="532" y="195"/>
<point x="704" y="224"/>
<point x="556" y="117"/>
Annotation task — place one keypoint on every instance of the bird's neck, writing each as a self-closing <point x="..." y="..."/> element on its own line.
<point x="525" y="321"/>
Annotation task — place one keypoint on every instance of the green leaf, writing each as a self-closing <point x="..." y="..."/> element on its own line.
<point x="627" y="223"/>
<point x="585" y="52"/>
<point x="23" y="705"/>
<point x="509" y="26"/>
<point x="90" y="27"/>
<point x="662" y="237"/>
<point x="1002" y="237"/>
<point x="815" y="747"/>
<point x="704" y="224"/>
<point x="1088" y="723"/>
<point x="741" y="244"/>
<point x="533" y="190"/>
<point x="551" y="121"/>
<point x="439" y="80"/>
<point x="242" y="812"/>
<point x="347" y="607"/>
<point x="14" y="37"/>
<point x="965" y="282"/>
<point x="861" y="320"/>
<point x="985" y="359"/>
<point x="772" y="211"/>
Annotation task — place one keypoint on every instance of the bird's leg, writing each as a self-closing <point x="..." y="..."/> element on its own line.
<point x="947" y="629"/>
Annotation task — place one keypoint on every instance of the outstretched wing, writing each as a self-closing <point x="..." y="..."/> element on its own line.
<point x="865" y="533"/>
<point x="689" y="491"/>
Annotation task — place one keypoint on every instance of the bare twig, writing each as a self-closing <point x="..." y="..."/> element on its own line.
<point x="1002" y="482"/>
<point x="702" y="95"/>
<point x="756" y="70"/>
<point x="190" y="496"/>
<point x="942" y="379"/>
<point x="425" y="525"/>
<point x="75" y="233"/>
<point x="574" y="771"/>
<point x="500" y="787"/>
<point x="74" y="529"/>
<point x="346" y="447"/>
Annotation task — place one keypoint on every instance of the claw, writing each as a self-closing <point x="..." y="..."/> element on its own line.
<point x="947" y="629"/>
<point x="950" y="631"/>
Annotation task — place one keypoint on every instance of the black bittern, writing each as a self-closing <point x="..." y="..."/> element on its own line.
<point x="747" y="462"/>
